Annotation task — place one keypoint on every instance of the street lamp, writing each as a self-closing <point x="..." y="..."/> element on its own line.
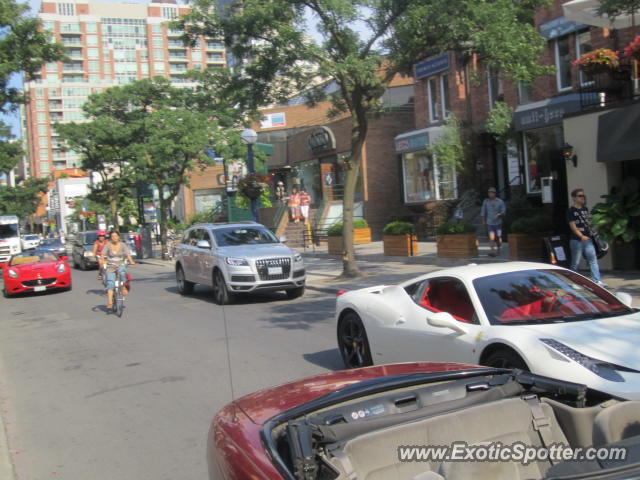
<point x="249" y="137"/>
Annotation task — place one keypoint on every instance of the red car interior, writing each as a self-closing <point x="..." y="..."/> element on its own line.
<point x="446" y="297"/>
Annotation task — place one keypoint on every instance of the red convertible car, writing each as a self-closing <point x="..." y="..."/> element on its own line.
<point x="35" y="271"/>
<point x="425" y="421"/>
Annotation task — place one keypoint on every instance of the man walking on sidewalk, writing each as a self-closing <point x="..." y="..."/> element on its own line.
<point x="492" y="212"/>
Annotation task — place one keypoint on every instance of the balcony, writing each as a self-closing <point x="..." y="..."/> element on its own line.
<point x="54" y="106"/>
<point x="75" y="67"/>
<point x="54" y="93"/>
<point x="174" y="33"/>
<point x="178" y="58"/>
<point x="178" y="70"/>
<point x="74" y="40"/>
<point x="214" y="46"/>
<point x="608" y="89"/>
<point x="176" y="45"/>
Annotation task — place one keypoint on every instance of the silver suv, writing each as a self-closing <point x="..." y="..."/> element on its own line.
<point x="237" y="258"/>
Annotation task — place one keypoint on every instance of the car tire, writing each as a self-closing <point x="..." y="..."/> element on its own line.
<point x="295" y="292"/>
<point x="221" y="295"/>
<point x="75" y="264"/>
<point x="505" y="359"/>
<point x="83" y="265"/>
<point x="5" y="293"/>
<point x="185" y="287"/>
<point x="353" y="342"/>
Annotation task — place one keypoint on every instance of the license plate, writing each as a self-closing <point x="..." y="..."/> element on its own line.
<point x="39" y="289"/>
<point x="274" y="270"/>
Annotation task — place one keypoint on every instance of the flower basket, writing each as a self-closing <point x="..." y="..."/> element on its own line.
<point x="253" y="185"/>
<point x="632" y="51"/>
<point x="598" y="61"/>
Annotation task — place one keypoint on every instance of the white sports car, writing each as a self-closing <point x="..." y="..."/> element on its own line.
<point x="538" y="317"/>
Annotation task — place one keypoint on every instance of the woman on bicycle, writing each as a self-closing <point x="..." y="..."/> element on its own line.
<point x="115" y="256"/>
<point x="98" y="245"/>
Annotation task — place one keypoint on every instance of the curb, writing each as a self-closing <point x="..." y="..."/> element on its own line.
<point x="421" y="260"/>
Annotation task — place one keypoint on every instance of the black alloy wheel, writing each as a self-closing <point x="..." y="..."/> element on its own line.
<point x="505" y="359"/>
<point x="185" y="287"/>
<point x="220" y="293"/>
<point x="353" y="342"/>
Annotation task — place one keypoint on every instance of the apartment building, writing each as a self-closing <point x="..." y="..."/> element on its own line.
<point x="107" y="44"/>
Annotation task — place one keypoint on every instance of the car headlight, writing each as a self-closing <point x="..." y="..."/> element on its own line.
<point x="61" y="268"/>
<point x="86" y="253"/>
<point x="238" y="262"/>
<point x="297" y="257"/>
<point x="606" y="370"/>
<point x="12" y="273"/>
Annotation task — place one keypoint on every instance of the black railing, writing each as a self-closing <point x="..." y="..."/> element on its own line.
<point x="607" y="88"/>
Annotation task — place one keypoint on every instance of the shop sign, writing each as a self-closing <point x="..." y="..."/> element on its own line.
<point x="273" y="120"/>
<point x="431" y="66"/>
<point x="321" y="140"/>
<point x="551" y="113"/>
<point x="221" y="179"/>
<point x="411" y="144"/>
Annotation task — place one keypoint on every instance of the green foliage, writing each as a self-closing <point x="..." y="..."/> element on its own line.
<point x="398" y="227"/>
<point x="618" y="218"/>
<point x="532" y="225"/>
<point x="455" y="228"/>
<point x="448" y="148"/>
<point x="336" y="229"/>
<point x="264" y="200"/>
<point x="499" y="120"/>
<point x="616" y="8"/>
<point x="24" y="199"/>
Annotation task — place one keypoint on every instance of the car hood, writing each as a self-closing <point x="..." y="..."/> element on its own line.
<point x="256" y="251"/>
<point x="35" y="268"/>
<point x="613" y="339"/>
<point x="265" y="404"/>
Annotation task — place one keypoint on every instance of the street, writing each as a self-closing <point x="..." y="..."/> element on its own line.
<point x="87" y="395"/>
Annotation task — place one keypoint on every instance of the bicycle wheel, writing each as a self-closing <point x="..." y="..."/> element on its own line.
<point x="118" y="301"/>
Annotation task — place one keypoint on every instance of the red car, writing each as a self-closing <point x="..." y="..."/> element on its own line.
<point x="35" y="271"/>
<point x="389" y="422"/>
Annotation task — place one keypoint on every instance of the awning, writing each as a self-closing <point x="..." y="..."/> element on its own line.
<point x="586" y="11"/>
<point x="546" y="112"/>
<point x="416" y="140"/>
<point x="618" y="138"/>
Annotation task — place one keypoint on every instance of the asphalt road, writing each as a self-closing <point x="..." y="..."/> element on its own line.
<point x="86" y="395"/>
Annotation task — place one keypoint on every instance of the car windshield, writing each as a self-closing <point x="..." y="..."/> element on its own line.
<point x="51" y="242"/>
<point x="31" y="237"/>
<point x="227" y="237"/>
<point x="90" y="238"/>
<point x="9" y="231"/>
<point x="33" y="257"/>
<point x="544" y="296"/>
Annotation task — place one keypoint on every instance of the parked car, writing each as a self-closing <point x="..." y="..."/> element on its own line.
<point x="54" y="245"/>
<point x="236" y="258"/>
<point x="545" y="319"/>
<point x="370" y="423"/>
<point x="82" y="250"/>
<point x="36" y="271"/>
<point x="30" y="241"/>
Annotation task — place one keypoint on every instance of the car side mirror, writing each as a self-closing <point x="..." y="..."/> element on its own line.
<point x="445" y="320"/>
<point x="625" y="298"/>
<point x="64" y="258"/>
<point x="283" y="239"/>
<point x="203" y="244"/>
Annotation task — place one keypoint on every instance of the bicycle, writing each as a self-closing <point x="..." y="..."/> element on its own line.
<point x="118" y="291"/>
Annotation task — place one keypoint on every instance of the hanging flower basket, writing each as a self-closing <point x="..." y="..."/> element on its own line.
<point x="632" y="51"/>
<point x="598" y="61"/>
<point x="252" y="185"/>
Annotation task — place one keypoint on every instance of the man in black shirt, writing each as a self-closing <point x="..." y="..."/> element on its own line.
<point x="578" y="217"/>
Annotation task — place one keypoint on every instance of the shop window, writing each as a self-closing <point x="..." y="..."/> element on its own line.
<point x="540" y="147"/>
<point x="206" y="200"/>
<point x="425" y="180"/>
<point x="583" y="45"/>
<point x="563" y="64"/>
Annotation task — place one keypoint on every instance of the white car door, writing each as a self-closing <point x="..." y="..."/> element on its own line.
<point x="204" y="258"/>
<point x="408" y="336"/>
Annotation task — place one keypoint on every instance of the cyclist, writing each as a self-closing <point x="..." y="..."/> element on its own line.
<point x="115" y="256"/>
<point x="98" y="245"/>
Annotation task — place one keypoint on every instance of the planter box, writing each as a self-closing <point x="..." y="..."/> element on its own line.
<point x="360" y="236"/>
<point x="458" y="246"/>
<point x="525" y="247"/>
<point x="400" y="245"/>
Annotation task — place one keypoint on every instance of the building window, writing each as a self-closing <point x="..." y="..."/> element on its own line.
<point x="158" y="66"/>
<point x="43" y="142"/>
<point x="156" y="28"/>
<point x="91" y="27"/>
<point x="144" y="68"/>
<point x="44" y="167"/>
<point x="52" y="67"/>
<point x="205" y="200"/>
<point x="39" y="93"/>
<point x="423" y="180"/>
<point x="92" y="40"/>
<point x="445" y="96"/>
<point x="496" y="94"/>
<point x="70" y="27"/>
<point x="583" y="45"/>
<point x="93" y="53"/>
<point x="42" y="118"/>
<point x="170" y="12"/>
<point x="432" y="91"/>
<point x="42" y="129"/>
<point x="49" y="25"/>
<point x="44" y="154"/>
<point x="94" y="66"/>
<point x="66" y="9"/>
<point x="197" y="66"/>
<point x="158" y="54"/>
<point x="524" y="93"/>
<point x="158" y="41"/>
<point x="563" y="64"/>
<point x="40" y="104"/>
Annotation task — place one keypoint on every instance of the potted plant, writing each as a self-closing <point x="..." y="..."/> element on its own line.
<point x="632" y="51"/>
<point x="399" y="239"/>
<point x="457" y="240"/>
<point x="598" y="61"/>
<point x="361" y="234"/>
<point x="526" y="237"/>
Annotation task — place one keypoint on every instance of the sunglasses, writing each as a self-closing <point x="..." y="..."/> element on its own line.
<point x="581" y="195"/>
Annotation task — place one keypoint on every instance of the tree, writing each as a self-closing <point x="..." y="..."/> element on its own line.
<point x="277" y="58"/>
<point x="24" y="199"/>
<point x="617" y="8"/>
<point x="10" y="150"/>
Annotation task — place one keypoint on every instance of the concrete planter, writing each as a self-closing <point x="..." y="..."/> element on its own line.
<point x="458" y="246"/>
<point x="523" y="246"/>
<point x="400" y="245"/>
<point x="360" y="236"/>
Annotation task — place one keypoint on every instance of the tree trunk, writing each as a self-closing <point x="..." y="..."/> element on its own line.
<point x="114" y="212"/>
<point x="359" y="129"/>
<point x="162" y="221"/>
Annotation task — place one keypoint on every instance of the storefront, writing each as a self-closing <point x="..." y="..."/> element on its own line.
<point x="423" y="179"/>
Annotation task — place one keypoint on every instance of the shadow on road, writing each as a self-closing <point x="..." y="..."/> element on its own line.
<point x="326" y="359"/>
<point x="301" y="315"/>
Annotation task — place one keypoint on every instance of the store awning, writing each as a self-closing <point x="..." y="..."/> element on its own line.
<point x="416" y="139"/>
<point x="546" y="112"/>
<point x="586" y="11"/>
<point x="618" y="138"/>
<point x="265" y="148"/>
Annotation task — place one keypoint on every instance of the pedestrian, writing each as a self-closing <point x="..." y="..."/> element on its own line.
<point x="492" y="211"/>
<point x="280" y="192"/>
<point x="581" y="242"/>
<point x="294" y="205"/>
<point x="305" y="201"/>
